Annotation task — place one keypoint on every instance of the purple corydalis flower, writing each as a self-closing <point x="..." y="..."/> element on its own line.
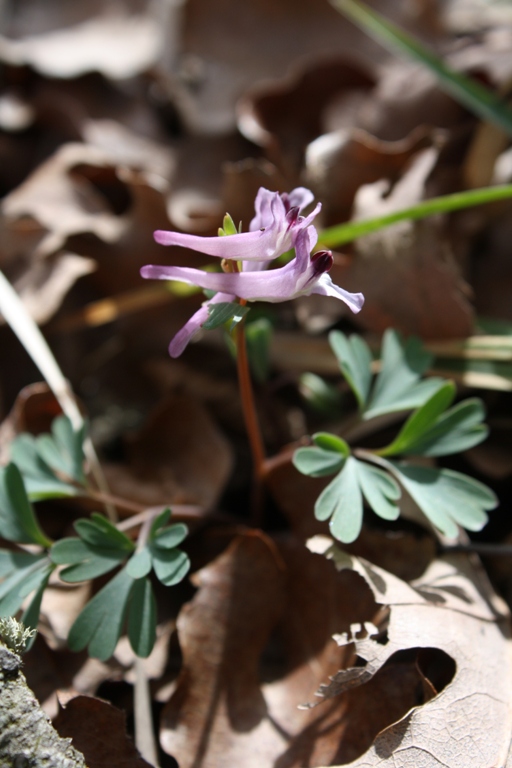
<point x="303" y="276"/>
<point x="273" y="230"/>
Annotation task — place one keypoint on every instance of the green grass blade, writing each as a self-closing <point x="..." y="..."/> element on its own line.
<point x="345" y="233"/>
<point x="473" y="95"/>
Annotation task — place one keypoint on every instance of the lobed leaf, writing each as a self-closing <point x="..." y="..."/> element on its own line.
<point x="317" y="462"/>
<point x="159" y="522"/>
<point x="100" y="532"/>
<point x="342" y="501"/>
<point x="456" y="430"/>
<point x="171" y="537"/>
<point x="398" y="386"/>
<point x="140" y="564"/>
<point x="40" y="479"/>
<point x="100" y="624"/>
<point x="355" y="360"/>
<point x="21" y="573"/>
<point x="446" y="497"/>
<point x="142" y="618"/>
<point x="380" y="490"/>
<point x="421" y="421"/>
<point x="170" y="565"/>
<point x="17" y="518"/>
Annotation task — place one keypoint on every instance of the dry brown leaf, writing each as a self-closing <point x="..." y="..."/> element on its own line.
<point x="286" y="115"/>
<point x="407" y="272"/>
<point x="179" y="456"/>
<point x="228" y="48"/>
<point x="114" y="42"/>
<point x="99" y="731"/>
<point x="276" y="609"/>
<point x="451" y="608"/>
<point x="339" y="163"/>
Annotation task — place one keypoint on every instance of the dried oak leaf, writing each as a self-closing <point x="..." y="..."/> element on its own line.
<point x="451" y="609"/>
<point x="99" y="731"/>
<point x="407" y="272"/>
<point x="66" y="44"/>
<point x="255" y="639"/>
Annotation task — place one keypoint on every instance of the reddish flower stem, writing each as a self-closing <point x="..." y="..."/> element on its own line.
<point x="251" y="421"/>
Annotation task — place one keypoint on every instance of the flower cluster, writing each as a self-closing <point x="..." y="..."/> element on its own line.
<point x="276" y="228"/>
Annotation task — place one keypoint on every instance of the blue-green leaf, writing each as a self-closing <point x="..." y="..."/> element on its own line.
<point x="355" y="360"/>
<point x="142" y="618"/>
<point x="21" y="573"/>
<point x="85" y="561"/>
<point x="17" y="519"/>
<point x="159" y="522"/>
<point x="40" y="480"/>
<point x="421" y="421"/>
<point x="100" y="532"/>
<point x="170" y="565"/>
<point x="171" y="537"/>
<point x="317" y="462"/>
<point x="30" y="617"/>
<point x="139" y="564"/>
<point x="398" y="386"/>
<point x="342" y="500"/>
<point x="258" y="336"/>
<point x="380" y="490"/>
<point x="223" y="312"/>
<point x="100" y="624"/>
<point x="459" y="429"/>
<point x="447" y="498"/>
<point x="323" y="397"/>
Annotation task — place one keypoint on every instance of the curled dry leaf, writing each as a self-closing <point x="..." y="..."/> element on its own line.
<point x="446" y="609"/>
<point x="339" y="163"/>
<point x="256" y="639"/>
<point x="286" y="115"/>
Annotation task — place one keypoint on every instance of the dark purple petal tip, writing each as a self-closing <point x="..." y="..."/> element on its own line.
<point x="322" y="261"/>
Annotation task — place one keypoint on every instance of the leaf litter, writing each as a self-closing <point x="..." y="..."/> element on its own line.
<point x="123" y="118"/>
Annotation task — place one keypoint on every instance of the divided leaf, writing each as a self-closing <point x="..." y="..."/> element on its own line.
<point x="327" y="456"/>
<point x="446" y="497"/>
<point x="98" y="531"/>
<point x="355" y="360"/>
<point x="142" y="618"/>
<point x="85" y="561"/>
<point x="342" y="500"/>
<point x="170" y="565"/>
<point x="49" y="462"/>
<point x="380" y="490"/>
<point x="17" y="518"/>
<point x="399" y="386"/>
<point x="21" y="573"/>
<point x="100" y="624"/>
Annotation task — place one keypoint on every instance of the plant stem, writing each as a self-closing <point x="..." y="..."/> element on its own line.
<point x="251" y="421"/>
